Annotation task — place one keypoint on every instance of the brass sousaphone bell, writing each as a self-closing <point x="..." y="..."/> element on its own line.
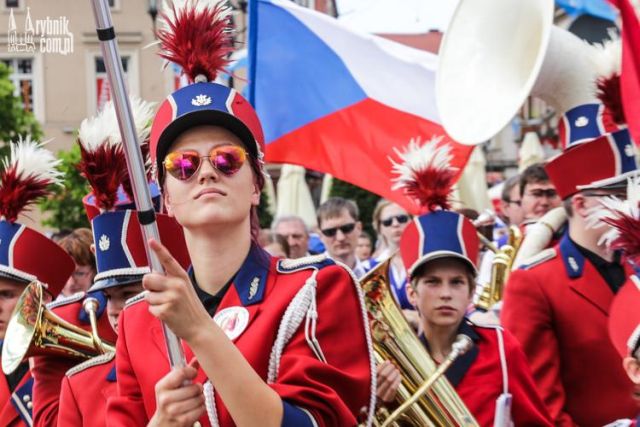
<point x="35" y="330"/>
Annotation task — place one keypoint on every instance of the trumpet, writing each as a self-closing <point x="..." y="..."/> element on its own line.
<point x="35" y="330"/>
<point x="500" y="269"/>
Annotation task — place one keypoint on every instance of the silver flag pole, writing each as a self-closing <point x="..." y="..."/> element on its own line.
<point x="135" y="164"/>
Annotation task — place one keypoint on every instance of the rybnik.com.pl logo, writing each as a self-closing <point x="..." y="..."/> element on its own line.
<point x="49" y="35"/>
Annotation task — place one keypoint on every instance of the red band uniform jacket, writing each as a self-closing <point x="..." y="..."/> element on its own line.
<point x="16" y="408"/>
<point x="48" y="371"/>
<point x="557" y="308"/>
<point x="334" y="393"/>
<point x="85" y="391"/>
<point x="477" y="377"/>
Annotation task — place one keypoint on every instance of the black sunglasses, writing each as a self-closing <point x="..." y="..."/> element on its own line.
<point x="346" y="229"/>
<point x="402" y="219"/>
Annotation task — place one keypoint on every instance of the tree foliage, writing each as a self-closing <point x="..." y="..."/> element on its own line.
<point x="14" y="120"/>
<point x="263" y="212"/>
<point x="65" y="204"/>
<point x="365" y="200"/>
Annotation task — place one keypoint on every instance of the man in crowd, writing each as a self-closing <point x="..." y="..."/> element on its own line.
<point x="293" y="228"/>
<point x="538" y="195"/>
<point x="510" y="203"/>
<point x="339" y="231"/>
<point x="558" y="305"/>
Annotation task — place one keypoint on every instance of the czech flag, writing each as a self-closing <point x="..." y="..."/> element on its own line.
<point x="338" y="101"/>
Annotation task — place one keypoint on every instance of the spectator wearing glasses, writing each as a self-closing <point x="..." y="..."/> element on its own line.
<point x="538" y="195"/>
<point x="389" y="221"/>
<point x="295" y="231"/>
<point x="340" y="228"/>
<point x="558" y="305"/>
<point x="510" y="203"/>
<point x="78" y="245"/>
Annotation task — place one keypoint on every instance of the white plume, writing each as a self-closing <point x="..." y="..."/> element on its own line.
<point x="416" y="158"/>
<point x="32" y="160"/>
<point x="103" y="128"/>
<point x="608" y="57"/>
<point x="611" y="208"/>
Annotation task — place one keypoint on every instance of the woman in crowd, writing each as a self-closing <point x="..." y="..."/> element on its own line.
<point x="389" y="221"/>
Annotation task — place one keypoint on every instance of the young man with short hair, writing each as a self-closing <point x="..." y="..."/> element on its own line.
<point x="339" y="231"/>
<point x="538" y="195"/>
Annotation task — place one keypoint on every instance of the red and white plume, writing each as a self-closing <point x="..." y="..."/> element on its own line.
<point x="28" y="172"/>
<point x="608" y="62"/>
<point x="196" y="35"/>
<point x="425" y="173"/>
<point x="623" y="216"/>
<point x="103" y="162"/>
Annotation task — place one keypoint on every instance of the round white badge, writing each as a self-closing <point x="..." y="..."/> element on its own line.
<point x="233" y="321"/>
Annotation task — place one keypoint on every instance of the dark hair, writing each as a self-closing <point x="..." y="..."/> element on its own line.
<point x="78" y="245"/>
<point x="367" y="236"/>
<point x="508" y="187"/>
<point x="334" y="206"/>
<point x="534" y="174"/>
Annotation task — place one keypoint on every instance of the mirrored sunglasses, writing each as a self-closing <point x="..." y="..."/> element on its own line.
<point x="402" y="219"/>
<point x="226" y="159"/>
<point x="346" y="229"/>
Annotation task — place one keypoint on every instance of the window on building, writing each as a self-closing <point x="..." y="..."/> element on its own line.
<point x="22" y="77"/>
<point x="103" y="90"/>
<point x="12" y="3"/>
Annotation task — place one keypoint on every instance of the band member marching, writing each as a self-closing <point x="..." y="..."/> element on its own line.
<point x="25" y="256"/>
<point x="275" y="351"/>
<point x="103" y="165"/>
<point x="121" y="261"/>
<point x="549" y="301"/>
<point x="440" y="250"/>
<point x="623" y="216"/>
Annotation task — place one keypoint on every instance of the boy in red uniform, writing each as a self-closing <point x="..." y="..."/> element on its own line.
<point x="440" y="251"/>
<point x="87" y="386"/>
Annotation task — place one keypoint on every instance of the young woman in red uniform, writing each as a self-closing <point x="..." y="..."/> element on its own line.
<point x="439" y="249"/>
<point x="274" y="353"/>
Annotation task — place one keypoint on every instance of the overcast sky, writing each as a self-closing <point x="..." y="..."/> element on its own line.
<point x="396" y="16"/>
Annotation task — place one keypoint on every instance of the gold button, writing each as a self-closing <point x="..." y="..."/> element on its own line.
<point x="197" y="424"/>
<point x="26" y="398"/>
<point x="30" y="405"/>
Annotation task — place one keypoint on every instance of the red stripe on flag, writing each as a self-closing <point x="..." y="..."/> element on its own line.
<point x="354" y="145"/>
<point x="630" y="76"/>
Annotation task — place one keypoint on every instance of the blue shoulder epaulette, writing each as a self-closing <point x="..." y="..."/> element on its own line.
<point x="539" y="258"/>
<point x="313" y="262"/>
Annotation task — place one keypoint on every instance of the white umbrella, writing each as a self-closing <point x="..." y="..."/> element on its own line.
<point x="294" y="197"/>
<point x="531" y="151"/>
<point x="270" y="190"/>
<point x="327" y="182"/>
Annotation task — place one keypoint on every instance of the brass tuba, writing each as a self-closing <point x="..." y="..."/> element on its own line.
<point x="35" y="330"/>
<point x="393" y="339"/>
